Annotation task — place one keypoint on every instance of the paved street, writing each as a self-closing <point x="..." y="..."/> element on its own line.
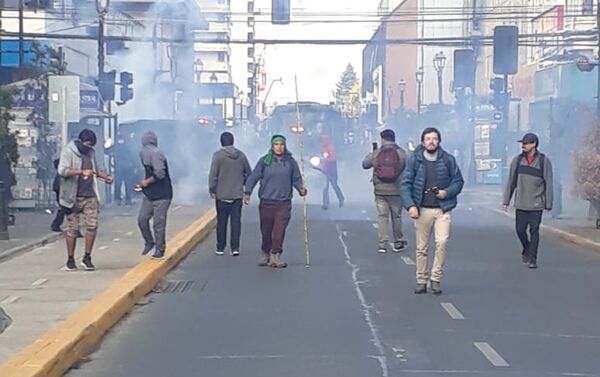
<point x="353" y="312"/>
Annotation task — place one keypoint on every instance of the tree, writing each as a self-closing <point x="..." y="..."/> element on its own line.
<point x="587" y="166"/>
<point x="347" y="92"/>
<point x="8" y="142"/>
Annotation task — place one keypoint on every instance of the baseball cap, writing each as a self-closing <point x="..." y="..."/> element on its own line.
<point x="529" y="138"/>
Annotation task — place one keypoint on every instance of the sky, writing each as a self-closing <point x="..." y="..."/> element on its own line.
<point x="318" y="68"/>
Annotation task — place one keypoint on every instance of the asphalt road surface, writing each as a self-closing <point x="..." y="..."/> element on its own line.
<point x="353" y="312"/>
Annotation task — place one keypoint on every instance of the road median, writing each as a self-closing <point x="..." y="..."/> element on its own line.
<point x="52" y="354"/>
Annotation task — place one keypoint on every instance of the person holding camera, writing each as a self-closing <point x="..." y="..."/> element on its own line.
<point x="430" y="185"/>
<point x="387" y="163"/>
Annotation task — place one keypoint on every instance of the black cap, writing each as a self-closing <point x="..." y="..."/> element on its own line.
<point x="529" y="138"/>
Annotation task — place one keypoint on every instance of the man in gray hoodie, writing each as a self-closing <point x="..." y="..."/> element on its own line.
<point x="530" y="179"/>
<point x="78" y="194"/>
<point x="229" y="170"/>
<point x="388" y="163"/>
<point x="278" y="174"/>
<point x="158" y="193"/>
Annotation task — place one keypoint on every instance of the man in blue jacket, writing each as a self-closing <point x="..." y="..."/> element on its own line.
<point x="430" y="184"/>
<point x="278" y="173"/>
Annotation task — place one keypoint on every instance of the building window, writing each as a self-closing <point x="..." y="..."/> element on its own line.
<point x="250" y="7"/>
<point x="587" y="7"/>
<point x="250" y="52"/>
<point x="250" y="37"/>
<point x="222" y="57"/>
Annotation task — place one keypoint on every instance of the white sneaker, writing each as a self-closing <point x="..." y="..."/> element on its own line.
<point x="235" y="253"/>
<point x="219" y="252"/>
<point x="382" y="250"/>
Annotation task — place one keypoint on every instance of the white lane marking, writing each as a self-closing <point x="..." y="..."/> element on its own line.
<point x="452" y="311"/>
<point x="375" y="225"/>
<point x="103" y="247"/>
<point x="10" y="300"/>
<point x="116" y="240"/>
<point x="129" y="234"/>
<point x="490" y="353"/>
<point x="408" y="261"/>
<point x="39" y="282"/>
<point x="176" y="208"/>
<point x="366" y="309"/>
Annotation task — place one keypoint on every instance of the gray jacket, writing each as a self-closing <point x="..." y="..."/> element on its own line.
<point x="533" y="189"/>
<point x="70" y="158"/>
<point x="276" y="180"/>
<point x="384" y="188"/>
<point x="229" y="170"/>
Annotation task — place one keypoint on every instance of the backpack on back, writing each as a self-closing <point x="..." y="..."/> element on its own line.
<point x="387" y="164"/>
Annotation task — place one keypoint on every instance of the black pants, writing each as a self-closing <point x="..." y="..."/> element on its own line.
<point x="531" y="219"/>
<point x="225" y="211"/>
<point x="127" y="179"/>
<point x="60" y="216"/>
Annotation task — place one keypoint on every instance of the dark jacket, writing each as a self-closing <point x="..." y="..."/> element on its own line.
<point x="380" y="187"/>
<point x="449" y="178"/>
<point x="229" y="170"/>
<point x="155" y="165"/>
<point x="533" y="186"/>
<point x="276" y="180"/>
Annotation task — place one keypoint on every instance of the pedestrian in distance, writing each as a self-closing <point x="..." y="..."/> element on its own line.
<point x="278" y="173"/>
<point x="530" y="180"/>
<point x="125" y="171"/>
<point x="328" y="166"/>
<point x="78" y="194"/>
<point x="388" y="163"/>
<point x="229" y="170"/>
<point x="430" y="186"/>
<point x="158" y="193"/>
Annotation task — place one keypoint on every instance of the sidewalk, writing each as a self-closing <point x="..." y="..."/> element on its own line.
<point x="573" y="220"/>
<point x="37" y="293"/>
<point x="31" y="229"/>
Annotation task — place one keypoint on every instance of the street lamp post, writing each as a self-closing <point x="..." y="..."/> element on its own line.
<point x="264" y="104"/>
<point x="439" y="62"/>
<point x="389" y="95"/>
<point x="419" y="77"/>
<point x="213" y="81"/>
<point x="402" y="87"/>
<point x="102" y="9"/>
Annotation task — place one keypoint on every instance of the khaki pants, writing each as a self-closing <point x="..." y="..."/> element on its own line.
<point x="438" y="221"/>
<point x="389" y="208"/>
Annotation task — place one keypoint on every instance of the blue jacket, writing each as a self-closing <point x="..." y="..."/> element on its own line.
<point x="449" y="178"/>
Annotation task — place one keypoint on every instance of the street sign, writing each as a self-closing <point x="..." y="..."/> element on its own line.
<point x="90" y="99"/>
<point x="63" y="99"/>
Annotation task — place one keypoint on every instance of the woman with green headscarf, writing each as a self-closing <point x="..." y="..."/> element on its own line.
<point x="278" y="173"/>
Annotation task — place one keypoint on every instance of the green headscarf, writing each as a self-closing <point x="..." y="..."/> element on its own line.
<point x="275" y="139"/>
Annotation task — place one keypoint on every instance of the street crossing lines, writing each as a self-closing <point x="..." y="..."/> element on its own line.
<point x="408" y="261"/>
<point x="10" y="300"/>
<point x="39" y="282"/>
<point x="490" y="353"/>
<point x="452" y="311"/>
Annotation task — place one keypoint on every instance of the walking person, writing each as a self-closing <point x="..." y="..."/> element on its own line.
<point x="278" y="173"/>
<point x="388" y="163"/>
<point x="125" y="171"/>
<point x="158" y="193"/>
<point x="530" y="180"/>
<point x="430" y="185"/>
<point x="229" y="170"/>
<point x="329" y="168"/>
<point x="78" y="194"/>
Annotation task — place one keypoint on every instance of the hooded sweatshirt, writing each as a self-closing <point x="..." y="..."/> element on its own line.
<point x="70" y="158"/>
<point x="155" y="165"/>
<point x="228" y="172"/>
<point x="276" y="180"/>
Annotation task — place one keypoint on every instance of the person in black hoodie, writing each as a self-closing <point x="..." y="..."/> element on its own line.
<point x="229" y="170"/>
<point x="158" y="193"/>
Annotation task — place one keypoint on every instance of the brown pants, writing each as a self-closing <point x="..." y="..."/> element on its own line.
<point x="274" y="219"/>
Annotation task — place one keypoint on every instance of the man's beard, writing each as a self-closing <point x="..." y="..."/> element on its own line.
<point x="432" y="150"/>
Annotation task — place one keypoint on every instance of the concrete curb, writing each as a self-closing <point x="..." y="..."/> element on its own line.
<point x="562" y="234"/>
<point x="52" y="354"/>
<point x="4" y="255"/>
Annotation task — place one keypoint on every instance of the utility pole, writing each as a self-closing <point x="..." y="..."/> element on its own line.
<point x="21" y="31"/>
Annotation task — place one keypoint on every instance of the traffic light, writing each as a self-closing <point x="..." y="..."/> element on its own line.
<point x="497" y="87"/>
<point x="464" y="68"/>
<point x="280" y="12"/>
<point x="126" y="79"/>
<point x="506" y="50"/>
<point x="106" y="85"/>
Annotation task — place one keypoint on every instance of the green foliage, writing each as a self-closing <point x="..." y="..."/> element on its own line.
<point x="8" y="142"/>
<point x="587" y="165"/>
<point x="347" y="93"/>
